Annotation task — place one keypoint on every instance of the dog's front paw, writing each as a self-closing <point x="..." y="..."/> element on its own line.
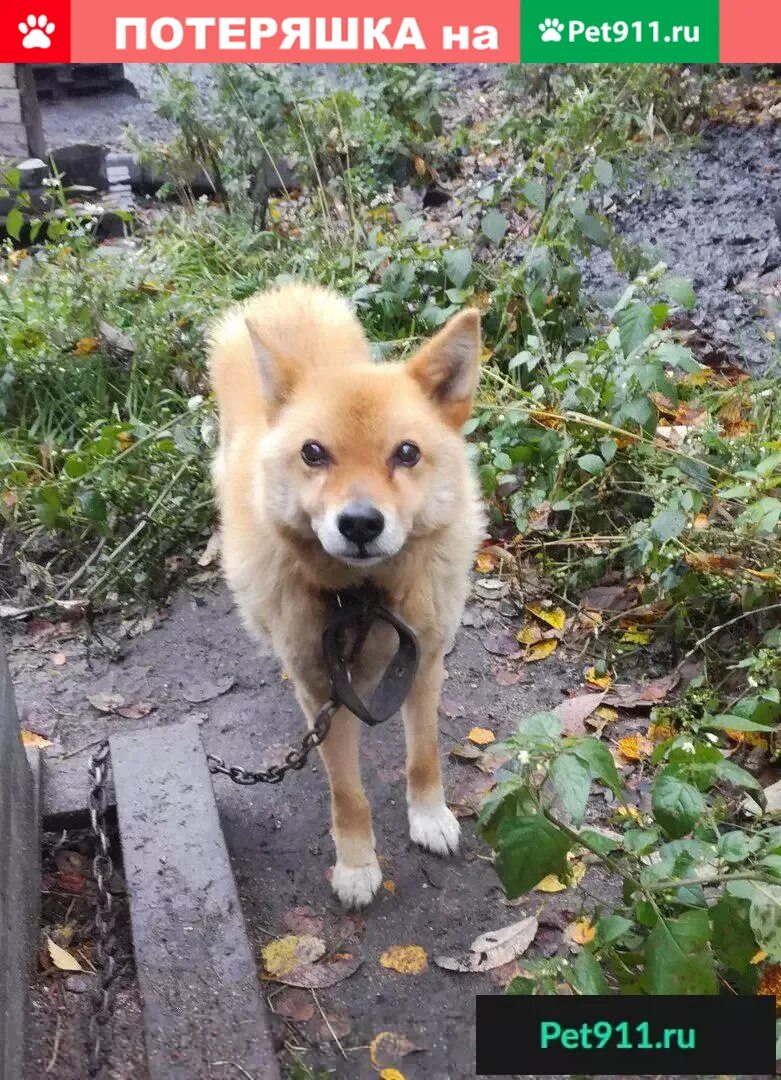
<point x="434" y="828"/>
<point x="356" y="885"/>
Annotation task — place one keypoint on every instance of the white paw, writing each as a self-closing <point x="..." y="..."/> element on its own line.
<point x="356" y="885"/>
<point x="434" y="828"/>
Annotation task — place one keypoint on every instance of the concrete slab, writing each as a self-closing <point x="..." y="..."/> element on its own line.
<point x="65" y="792"/>
<point x="196" y="971"/>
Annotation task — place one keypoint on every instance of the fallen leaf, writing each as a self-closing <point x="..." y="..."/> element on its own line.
<point x="643" y="697"/>
<point x="529" y="634"/>
<point x="327" y="972"/>
<point x="508" y="678"/>
<point x="550" y="884"/>
<point x="391" y="1074"/>
<point x="602" y="681"/>
<point x="758" y="957"/>
<point x="294" y="1005"/>
<point x="495" y="948"/>
<point x="466" y="752"/>
<point x="491" y="588"/>
<point x="481" y="736"/>
<point x="389" y="1047"/>
<point x="540" y="651"/>
<point x="31" y="738"/>
<point x="554" y="617"/>
<point x="282" y="956"/>
<point x="607" y="714"/>
<point x="607" y="598"/>
<point x="485" y="563"/>
<point x="389" y="886"/>
<point x="660" y="732"/>
<point x="61" y="958"/>
<point x="106" y="702"/>
<point x="197" y="693"/>
<point x="136" y="710"/>
<point x="574" y="711"/>
<point x="302" y="920"/>
<point x="501" y="645"/>
<point x="406" y="959"/>
<point x="581" y="932"/>
<point x="633" y="636"/>
<point x="635" y="747"/>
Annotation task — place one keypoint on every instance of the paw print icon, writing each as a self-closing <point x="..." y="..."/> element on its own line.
<point x="36" y="32"/>
<point x="551" y="30"/>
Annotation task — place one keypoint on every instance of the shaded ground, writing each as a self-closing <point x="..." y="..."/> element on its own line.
<point x="714" y="224"/>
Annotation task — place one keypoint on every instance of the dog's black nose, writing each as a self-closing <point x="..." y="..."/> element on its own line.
<point x="360" y="522"/>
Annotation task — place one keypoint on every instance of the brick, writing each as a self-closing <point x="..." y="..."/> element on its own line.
<point x="10" y="107"/>
<point x="7" y="76"/>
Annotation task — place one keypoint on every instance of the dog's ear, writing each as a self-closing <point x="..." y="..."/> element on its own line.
<point x="448" y="366"/>
<point x="277" y="373"/>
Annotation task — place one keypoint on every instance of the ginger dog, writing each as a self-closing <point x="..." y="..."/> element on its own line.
<point x="334" y="471"/>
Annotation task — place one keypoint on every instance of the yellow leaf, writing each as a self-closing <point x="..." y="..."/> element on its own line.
<point x="285" y="954"/>
<point x="758" y="957"/>
<point x="420" y="166"/>
<point x="391" y="1074"/>
<point x="554" y="617"/>
<point x="387" y="1048"/>
<point x="581" y="931"/>
<point x="701" y="521"/>
<point x="633" y="636"/>
<point x="551" y="884"/>
<point x="485" y="563"/>
<point x="630" y="812"/>
<point x="485" y="354"/>
<point x="31" y="738"/>
<point x="540" y="650"/>
<point x="389" y="886"/>
<point x="529" y="634"/>
<point x="578" y="872"/>
<point x="635" y="747"/>
<point x="602" y="681"/>
<point x="660" y="732"/>
<point x="406" y="959"/>
<point x="86" y="345"/>
<point x="606" y="713"/>
<point x="61" y="958"/>
<point x="481" y="736"/>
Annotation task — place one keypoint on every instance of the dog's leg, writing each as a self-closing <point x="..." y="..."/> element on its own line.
<point x="356" y="875"/>
<point x="431" y="824"/>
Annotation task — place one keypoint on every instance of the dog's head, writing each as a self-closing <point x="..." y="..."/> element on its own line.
<point x="365" y="456"/>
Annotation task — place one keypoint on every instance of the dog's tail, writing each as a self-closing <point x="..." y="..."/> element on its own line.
<point x="258" y="350"/>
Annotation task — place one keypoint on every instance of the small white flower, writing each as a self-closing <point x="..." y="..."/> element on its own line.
<point x="203" y="199"/>
<point x="687" y="747"/>
<point x="752" y="681"/>
<point x="523" y="757"/>
<point x="711" y="737"/>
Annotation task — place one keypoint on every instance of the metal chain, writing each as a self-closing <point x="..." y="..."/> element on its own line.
<point x="294" y="760"/>
<point x="105" y="937"/>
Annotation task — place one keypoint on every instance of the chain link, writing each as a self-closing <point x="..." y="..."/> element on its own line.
<point x="104" y="936"/>
<point x="294" y="759"/>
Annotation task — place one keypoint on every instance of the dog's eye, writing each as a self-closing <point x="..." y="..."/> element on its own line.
<point x="406" y="453"/>
<point x="314" y="454"/>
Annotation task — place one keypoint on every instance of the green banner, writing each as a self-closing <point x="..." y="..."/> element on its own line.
<point x="619" y="31"/>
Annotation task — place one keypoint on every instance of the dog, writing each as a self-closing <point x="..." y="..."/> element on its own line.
<point x="334" y="472"/>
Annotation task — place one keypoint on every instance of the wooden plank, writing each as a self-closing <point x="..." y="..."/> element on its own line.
<point x="196" y="972"/>
<point x="19" y="877"/>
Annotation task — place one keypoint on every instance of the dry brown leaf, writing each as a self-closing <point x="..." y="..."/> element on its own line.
<point x="540" y="651"/>
<point x="494" y="948"/>
<point x="575" y="710"/>
<point x="481" y="736"/>
<point x="581" y="932"/>
<point x="707" y="562"/>
<point x="294" y="1004"/>
<point x="327" y="972"/>
<point x="282" y="956"/>
<point x="389" y="886"/>
<point x="31" y="738"/>
<point x="643" y="697"/>
<point x="406" y="959"/>
<point x="770" y="983"/>
<point x="61" y="958"/>
<point x="105" y="702"/>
